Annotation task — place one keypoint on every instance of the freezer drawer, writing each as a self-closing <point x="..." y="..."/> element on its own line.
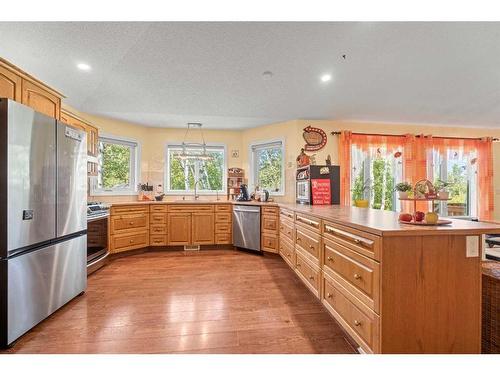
<point x="39" y="283"/>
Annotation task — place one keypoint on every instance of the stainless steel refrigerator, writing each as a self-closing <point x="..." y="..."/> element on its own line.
<point x="43" y="222"/>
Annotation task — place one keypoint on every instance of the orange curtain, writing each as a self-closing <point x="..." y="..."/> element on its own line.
<point x="345" y="143"/>
<point x="485" y="178"/>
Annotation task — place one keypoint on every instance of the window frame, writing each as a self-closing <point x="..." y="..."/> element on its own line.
<point x="166" y="179"/>
<point x="135" y="167"/>
<point x="253" y="166"/>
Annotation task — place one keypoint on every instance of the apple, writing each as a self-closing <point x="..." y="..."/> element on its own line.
<point x="419" y="216"/>
<point x="405" y="217"/>
<point x="431" y="218"/>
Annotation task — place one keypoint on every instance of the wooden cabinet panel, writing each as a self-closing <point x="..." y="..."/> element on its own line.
<point x="287" y="214"/>
<point x="309" y="241"/>
<point x="222" y="218"/>
<point x="203" y="228"/>
<point x="40" y="100"/>
<point x="308" y="222"/>
<point x="361" y="323"/>
<point x="357" y="273"/>
<point x="270" y="242"/>
<point x="157" y="240"/>
<point x="286" y="230"/>
<point x="10" y="84"/>
<point x="129" y="222"/>
<point x="129" y="241"/>
<point x="365" y="243"/>
<point x="269" y="223"/>
<point x="223" y="238"/>
<point x="179" y="228"/>
<point x="129" y="209"/>
<point x="223" y="228"/>
<point x="191" y="208"/>
<point x="308" y="272"/>
<point x="223" y="208"/>
<point x="92" y="140"/>
<point x="270" y="210"/>
<point x="158" y="208"/>
<point x="287" y="251"/>
<point x="158" y="228"/>
<point x="157" y="218"/>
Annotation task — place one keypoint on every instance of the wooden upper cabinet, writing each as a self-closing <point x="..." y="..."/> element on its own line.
<point x="92" y="132"/>
<point x="203" y="231"/>
<point x="10" y="84"/>
<point x="40" y="99"/>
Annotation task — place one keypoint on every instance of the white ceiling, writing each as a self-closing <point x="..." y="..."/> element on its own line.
<point x="166" y="73"/>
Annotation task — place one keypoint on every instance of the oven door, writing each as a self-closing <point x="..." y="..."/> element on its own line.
<point x="302" y="191"/>
<point x="97" y="237"/>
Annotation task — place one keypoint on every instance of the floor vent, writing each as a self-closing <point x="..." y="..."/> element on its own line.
<point x="191" y="247"/>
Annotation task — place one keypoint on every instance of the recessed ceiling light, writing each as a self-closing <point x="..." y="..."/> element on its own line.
<point x="267" y="75"/>
<point x="326" y="77"/>
<point x="84" y="67"/>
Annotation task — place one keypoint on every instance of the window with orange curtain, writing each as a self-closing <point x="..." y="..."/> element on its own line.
<point x="376" y="167"/>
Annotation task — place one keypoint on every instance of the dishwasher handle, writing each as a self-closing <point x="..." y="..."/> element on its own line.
<point x="255" y="210"/>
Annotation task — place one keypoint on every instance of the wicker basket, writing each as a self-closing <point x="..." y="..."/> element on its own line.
<point x="491" y="308"/>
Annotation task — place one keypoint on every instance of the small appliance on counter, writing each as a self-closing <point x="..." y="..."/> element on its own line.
<point x="244" y="196"/>
<point x="318" y="184"/>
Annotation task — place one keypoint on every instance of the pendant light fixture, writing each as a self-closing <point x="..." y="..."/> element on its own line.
<point x="189" y="149"/>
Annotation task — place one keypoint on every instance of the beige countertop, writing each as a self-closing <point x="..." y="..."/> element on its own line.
<point x="192" y="201"/>
<point x="386" y="223"/>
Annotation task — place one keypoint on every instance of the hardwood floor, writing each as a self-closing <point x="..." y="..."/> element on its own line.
<point x="214" y="301"/>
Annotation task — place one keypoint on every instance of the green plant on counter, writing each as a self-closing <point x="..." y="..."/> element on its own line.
<point x="404" y="187"/>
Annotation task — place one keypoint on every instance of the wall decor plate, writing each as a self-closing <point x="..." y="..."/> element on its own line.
<point x="315" y="138"/>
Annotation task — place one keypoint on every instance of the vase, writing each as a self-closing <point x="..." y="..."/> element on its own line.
<point x="363" y="203"/>
<point x="403" y="195"/>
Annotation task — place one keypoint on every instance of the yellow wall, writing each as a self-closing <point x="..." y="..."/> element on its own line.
<point x="153" y="141"/>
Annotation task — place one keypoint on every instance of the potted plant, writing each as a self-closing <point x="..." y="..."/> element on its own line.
<point x="403" y="188"/>
<point x="442" y="191"/>
<point x="361" y="187"/>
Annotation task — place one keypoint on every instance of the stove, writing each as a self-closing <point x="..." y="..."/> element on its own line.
<point x="97" y="209"/>
<point x="97" y="235"/>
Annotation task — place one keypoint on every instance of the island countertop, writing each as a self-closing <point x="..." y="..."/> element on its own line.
<point x="386" y="223"/>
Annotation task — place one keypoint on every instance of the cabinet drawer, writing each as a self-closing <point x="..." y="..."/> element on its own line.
<point x="286" y="230"/>
<point x="287" y="214"/>
<point x="357" y="273"/>
<point x="269" y="242"/>
<point x="365" y="243"/>
<point x="308" y="273"/>
<point x="309" y="222"/>
<point x="308" y="241"/>
<point x="223" y="228"/>
<point x="361" y="323"/>
<point x="223" y="238"/>
<point x="191" y="208"/>
<point x="129" y="209"/>
<point x="157" y="240"/>
<point x="158" y="228"/>
<point x="157" y="218"/>
<point x="158" y="208"/>
<point x="222" y="217"/>
<point x="128" y="222"/>
<point x="269" y="223"/>
<point x="223" y="208"/>
<point x="269" y="210"/>
<point x="129" y="241"/>
<point x="287" y="251"/>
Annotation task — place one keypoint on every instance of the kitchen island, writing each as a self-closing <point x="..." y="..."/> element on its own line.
<point x="395" y="288"/>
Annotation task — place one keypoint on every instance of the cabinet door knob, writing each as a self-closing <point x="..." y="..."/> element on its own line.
<point x="329" y="295"/>
<point x="311" y="247"/>
<point x="131" y="241"/>
<point x="131" y="223"/>
<point x="299" y="239"/>
<point x="357" y="323"/>
<point x="298" y="264"/>
<point x="357" y="241"/>
<point x="330" y="259"/>
<point x="311" y="277"/>
<point x="357" y="277"/>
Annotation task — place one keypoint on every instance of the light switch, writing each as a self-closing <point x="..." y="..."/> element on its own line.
<point x="472" y="247"/>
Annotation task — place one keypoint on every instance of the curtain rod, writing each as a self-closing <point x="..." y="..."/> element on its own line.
<point x="418" y="136"/>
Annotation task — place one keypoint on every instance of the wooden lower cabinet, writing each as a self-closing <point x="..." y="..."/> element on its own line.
<point x="270" y="229"/>
<point x="309" y="272"/>
<point x="179" y="228"/>
<point x="203" y="228"/>
<point x="129" y="241"/>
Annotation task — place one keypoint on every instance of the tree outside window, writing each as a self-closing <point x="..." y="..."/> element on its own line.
<point x="268" y="166"/>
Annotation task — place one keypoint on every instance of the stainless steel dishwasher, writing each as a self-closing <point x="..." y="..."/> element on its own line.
<point x="246" y="227"/>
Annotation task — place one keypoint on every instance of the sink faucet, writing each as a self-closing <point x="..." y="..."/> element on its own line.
<point x="196" y="196"/>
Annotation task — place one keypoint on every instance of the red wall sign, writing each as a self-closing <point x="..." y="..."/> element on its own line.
<point x="321" y="192"/>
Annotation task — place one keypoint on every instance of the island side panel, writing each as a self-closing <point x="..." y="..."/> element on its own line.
<point x="431" y="295"/>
